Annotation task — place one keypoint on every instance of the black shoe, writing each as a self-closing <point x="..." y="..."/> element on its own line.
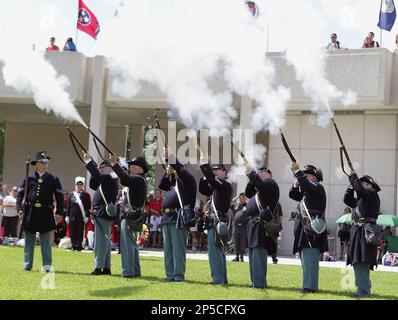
<point x="106" y="272"/>
<point x="236" y="259"/>
<point x="96" y="272"/>
<point x="361" y="295"/>
<point x="241" y="258"/>
<point x="26" y="269"/>
<point x="305" y="290"/>
<point x="275" y="261"/>
<point x="128" y="277"/>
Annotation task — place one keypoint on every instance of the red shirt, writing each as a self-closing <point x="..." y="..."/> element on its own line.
<point x="52" y="48"/>
<point x="155" y="205"/>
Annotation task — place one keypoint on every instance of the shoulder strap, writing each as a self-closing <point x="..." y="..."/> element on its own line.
<point x="178" y="195"/>
<point x="102" y="193"/>
<point x="214" y="207"/>
<point x="79" y="202"/>
<point x="260" y="207"/>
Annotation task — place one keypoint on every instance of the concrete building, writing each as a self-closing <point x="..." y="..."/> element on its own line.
<point x="370" y="128"/>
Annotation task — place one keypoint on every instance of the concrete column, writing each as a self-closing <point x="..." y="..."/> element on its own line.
<point x="137" y="141"/>
<point x="246" y="137"/>
<point x="98" y="114"/>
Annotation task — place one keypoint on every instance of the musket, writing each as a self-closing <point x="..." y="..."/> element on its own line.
<point x="74" y="140"/>
<point x="287" y="148"/>
<point x="157" y="126"/>
<point x="234" y="146"/>
<point x="343" y="149"/>
<point x="26" y="187"/>
<point x="95" y="139"/>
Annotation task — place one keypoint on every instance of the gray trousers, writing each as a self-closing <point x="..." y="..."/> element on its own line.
<point x="217" y="260"/>
<point x="240" y="238"/>
<point x="128" y="251"/>
<point x="310" y="265"/>
<point x="362" y="278"/>
<point x="174" y="246"/>
<point x="102" y="244"/>
<point x="29" y="249"/>
<point x="258" y="267"/>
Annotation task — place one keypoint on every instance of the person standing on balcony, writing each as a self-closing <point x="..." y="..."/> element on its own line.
<point x="52" y="46"/>
<point x="69" y="45"/>
<point x="334" y="44"/>
<point x="369" y="42"/>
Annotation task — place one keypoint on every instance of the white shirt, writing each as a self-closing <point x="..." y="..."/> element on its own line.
<point x="7" y="211"/>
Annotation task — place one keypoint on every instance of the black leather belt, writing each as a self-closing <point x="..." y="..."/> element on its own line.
<point x="40" y="205"/>
<point x="99" y="207"/>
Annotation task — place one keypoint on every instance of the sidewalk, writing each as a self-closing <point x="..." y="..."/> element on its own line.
<point x="281" y="260"/>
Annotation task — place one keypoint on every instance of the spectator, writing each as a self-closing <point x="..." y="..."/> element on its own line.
<point x="69" y="45"/>
<point x="4" y="191"/>
<point x="334" y="44"/>
<point x="344" y="235"/>
<point x="251" y="5"/>
<point x="155" y="206"/>
<point x="240" y="227"/>
<point x="10" y="216"/>
<point x="369" y="42"/>
<point x="52" y="46"/>
<point x="77" y="213"/>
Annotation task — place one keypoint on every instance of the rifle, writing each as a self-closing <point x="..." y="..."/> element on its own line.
<point x="343" y="149"/>
<point x="25" y="194"/>
<point x="73" y="138"/>
<point x="287" y="148"/>
<point x="157" y="126"/>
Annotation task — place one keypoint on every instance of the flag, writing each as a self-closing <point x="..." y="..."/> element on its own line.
<point x="387" y="15"/>
<point x="87" y="21"/>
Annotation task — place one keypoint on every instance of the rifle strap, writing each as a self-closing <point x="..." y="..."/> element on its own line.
<point x="75" y="148"/>
<point x="342" y="160"/>
<point x="96" y="147"/>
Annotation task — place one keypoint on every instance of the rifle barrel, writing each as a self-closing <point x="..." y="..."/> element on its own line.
<point x="342" y="144"/>
<point x="287" y="148"/>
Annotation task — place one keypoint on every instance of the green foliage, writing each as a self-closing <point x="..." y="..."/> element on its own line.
<point x="72" y="281"/>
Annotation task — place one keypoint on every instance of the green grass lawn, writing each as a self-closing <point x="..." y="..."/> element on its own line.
<point x="72" y="281"/>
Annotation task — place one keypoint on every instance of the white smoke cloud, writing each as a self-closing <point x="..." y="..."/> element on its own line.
<point x="28" y="71"/>
<point x="302" y="27"/>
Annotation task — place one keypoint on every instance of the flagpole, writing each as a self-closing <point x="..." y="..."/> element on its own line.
<point x="76" y="23"/>
<point x="381" y="30"/>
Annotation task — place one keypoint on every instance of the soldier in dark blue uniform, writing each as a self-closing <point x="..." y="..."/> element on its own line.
<point x="175" y="240"/>
<point x="216" y="185"/>
<point x="261" y="209"/>
<point x="105" y="183"/>
<point x="366" y="210"/>
<point x="38" y="211"/>
<point x="134" y="200"/>
<point x="307" y="188"/>
<point x="78" y="213"/>
<point x="239" y="231"/>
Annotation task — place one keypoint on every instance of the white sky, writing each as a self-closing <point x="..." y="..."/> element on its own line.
<point x="350" y="19"/>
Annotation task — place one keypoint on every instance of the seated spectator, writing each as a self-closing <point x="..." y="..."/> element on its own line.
<point x="52" y="46"/>
<point x="334" y="44"/>
<point x="10" y="217"/>
<point x="69" y="45"/>
<point x="369" y="42"/>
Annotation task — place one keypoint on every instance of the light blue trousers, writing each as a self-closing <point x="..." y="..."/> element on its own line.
<point x="362" y="278"/>
<point x="45" y="243"/>
<point x="258" y="267"/>
<point x="102" y="244"/>
<point x="129" y="251"/>
<point x="310" y="265"/>
<point x="217" y="260"/>
<point x="174" y="246"/>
